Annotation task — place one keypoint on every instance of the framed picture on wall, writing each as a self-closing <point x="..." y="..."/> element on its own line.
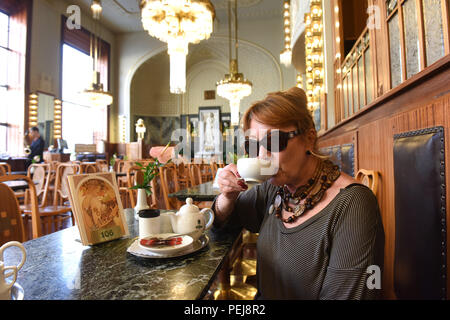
<point x="209" y="128"/>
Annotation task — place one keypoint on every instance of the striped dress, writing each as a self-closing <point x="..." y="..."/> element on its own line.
<point x="329" y="256"/>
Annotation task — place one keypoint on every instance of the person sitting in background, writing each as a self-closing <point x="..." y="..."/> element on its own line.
<point x="37" y="146"/>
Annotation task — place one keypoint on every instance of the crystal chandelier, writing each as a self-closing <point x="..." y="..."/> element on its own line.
<point x="95" y="95"/>
<point x="286" y="54"/>
<point x="178" y="23"/>
<point x="234" y="87"/>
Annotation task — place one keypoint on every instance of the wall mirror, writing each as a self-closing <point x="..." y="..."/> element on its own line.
<point x="45" y="117"/>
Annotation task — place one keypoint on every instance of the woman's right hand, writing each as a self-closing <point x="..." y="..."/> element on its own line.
<point x="230" y="182"/>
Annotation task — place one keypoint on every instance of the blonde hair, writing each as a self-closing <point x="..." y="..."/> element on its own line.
<point x="283" y="109"/>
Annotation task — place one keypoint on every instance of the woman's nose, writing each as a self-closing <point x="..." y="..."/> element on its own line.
<point x="263" y="153"/>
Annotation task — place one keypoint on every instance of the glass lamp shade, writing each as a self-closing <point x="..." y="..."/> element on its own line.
<point x="178" y="50"/>
<point x="234" y="91"/>
<point x="97" y="98"/>
<point x="178" y="23"/>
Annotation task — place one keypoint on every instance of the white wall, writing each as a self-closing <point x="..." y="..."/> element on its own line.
<point x="264" y="37"/>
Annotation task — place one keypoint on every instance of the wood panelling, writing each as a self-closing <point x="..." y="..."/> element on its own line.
<point x="422" y="105"/>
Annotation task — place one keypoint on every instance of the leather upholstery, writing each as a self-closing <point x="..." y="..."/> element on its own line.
<point x="420" y="221"/>
<point x="348" y="159"/>
<point x="343" y="156"/>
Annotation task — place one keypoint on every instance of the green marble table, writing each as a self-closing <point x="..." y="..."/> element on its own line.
<point x="202" y="192"/>
<point x="59" y="267"/>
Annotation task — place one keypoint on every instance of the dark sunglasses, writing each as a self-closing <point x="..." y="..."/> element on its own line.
<point x="269" y="142"/>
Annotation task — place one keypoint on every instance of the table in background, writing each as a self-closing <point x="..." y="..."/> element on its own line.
<point x="202" y="192"/>
<point x="17" y="185"/>
<point x="60" y="268"/>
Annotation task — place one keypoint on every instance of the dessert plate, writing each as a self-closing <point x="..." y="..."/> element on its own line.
<point x="186" y="241"/>
<point x="136" y="250"/>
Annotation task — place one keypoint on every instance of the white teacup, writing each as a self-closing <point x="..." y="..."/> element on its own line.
<point x="5" y="287"/>
<point x="255" y="170"/>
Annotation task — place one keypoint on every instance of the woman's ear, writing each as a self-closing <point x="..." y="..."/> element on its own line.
<point x="311" y="138"/>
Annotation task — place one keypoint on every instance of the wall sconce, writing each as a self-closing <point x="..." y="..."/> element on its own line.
<point x="33" y="110"/>
<point x="57" y="127"/>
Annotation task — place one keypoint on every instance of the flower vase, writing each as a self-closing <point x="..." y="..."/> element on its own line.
<point x="141" y="203"/>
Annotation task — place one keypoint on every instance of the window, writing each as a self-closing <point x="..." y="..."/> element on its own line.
<point x="12" y="73"/>
<point x="80" y="124"/>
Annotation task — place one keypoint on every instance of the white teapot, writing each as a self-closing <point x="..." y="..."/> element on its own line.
<point x="191" y="221"/>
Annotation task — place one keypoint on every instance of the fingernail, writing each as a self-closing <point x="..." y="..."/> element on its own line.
<point x="242" y="185"/>
<point x="238" y="175"/>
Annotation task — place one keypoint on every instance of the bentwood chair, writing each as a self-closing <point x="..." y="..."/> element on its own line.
<point x="11" y="224"/>
<point x="62" y="196"/>
<point x="369" y="178"/>
<point x="195" y="174"/>
<point x="5" y="169"/>
<point x="89" y="167"/>
<point x="49" y="214"/>
<point x="169" y="184"/>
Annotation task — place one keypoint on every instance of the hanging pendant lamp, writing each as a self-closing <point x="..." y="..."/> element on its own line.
<point x="234" y="87"/>
<point x="178" y="23"/>
<point x="95" y="95"/>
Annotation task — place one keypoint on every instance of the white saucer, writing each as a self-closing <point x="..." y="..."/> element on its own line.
<point x="136" y="250"/>
<point x="185" y="243"/>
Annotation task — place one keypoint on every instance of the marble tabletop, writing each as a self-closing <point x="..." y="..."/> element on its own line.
<point x="202" y="192"/>
<point x="59" y="267"/>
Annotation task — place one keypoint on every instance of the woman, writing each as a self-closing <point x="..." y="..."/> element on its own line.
<point x="319" y="230"/>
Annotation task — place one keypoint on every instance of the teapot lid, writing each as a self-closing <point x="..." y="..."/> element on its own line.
<point x="189" y="206"/>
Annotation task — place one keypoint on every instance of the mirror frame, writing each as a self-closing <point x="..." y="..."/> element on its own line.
<point x="33" y="101"/>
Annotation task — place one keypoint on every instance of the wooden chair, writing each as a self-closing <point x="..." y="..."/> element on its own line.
<point x="195" y="174"/>
<point x="11" y="224"/>
<point x="369" y="178"/>
<point x="5" y="169"/>
<point x="169" y="184"/>
<point x="102" y="165"/>
<point x="88" y="167"/>
<point x="183" y="176"/>
<point x="49" y="214"/>
<point x="207" y="172"/>
<point x="61" y="196"/>
<point x="134" y="174"/>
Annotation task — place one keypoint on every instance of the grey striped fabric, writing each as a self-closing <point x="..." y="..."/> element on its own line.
<point x="326" y="257"/>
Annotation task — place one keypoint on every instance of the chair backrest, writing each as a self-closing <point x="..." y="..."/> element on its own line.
<point x="183" y="176"/>
<point x="11" y="224"/>
<point x="5" y="168"/>
<point x="102" y="165"/>
<point x="61" y="184"/>
<point x="195" y="174"/>
<point x="214" y="168"/>
<point x="88" y="167"/>
<point x="135" y="174"/>
<point x="39" y="173"/>
<point x="369" y="178"/>
<point x="169" y="184"/>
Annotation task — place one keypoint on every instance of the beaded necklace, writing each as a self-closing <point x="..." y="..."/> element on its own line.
<point x="324" y="176"/>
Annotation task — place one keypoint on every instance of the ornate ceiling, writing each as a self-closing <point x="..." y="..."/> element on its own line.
<point x="124" y="15"/>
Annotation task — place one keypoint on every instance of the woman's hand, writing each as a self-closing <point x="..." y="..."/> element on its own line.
<point x="230" y="182"/>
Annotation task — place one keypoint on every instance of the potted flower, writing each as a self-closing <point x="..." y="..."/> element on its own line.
<point x="144" y="189"/>
<point x="112" y="162"/>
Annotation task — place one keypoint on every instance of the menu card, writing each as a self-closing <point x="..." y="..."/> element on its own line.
<point x="97" y="208"/>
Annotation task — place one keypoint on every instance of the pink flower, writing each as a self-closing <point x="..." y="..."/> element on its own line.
<point x="163" y="154"/>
